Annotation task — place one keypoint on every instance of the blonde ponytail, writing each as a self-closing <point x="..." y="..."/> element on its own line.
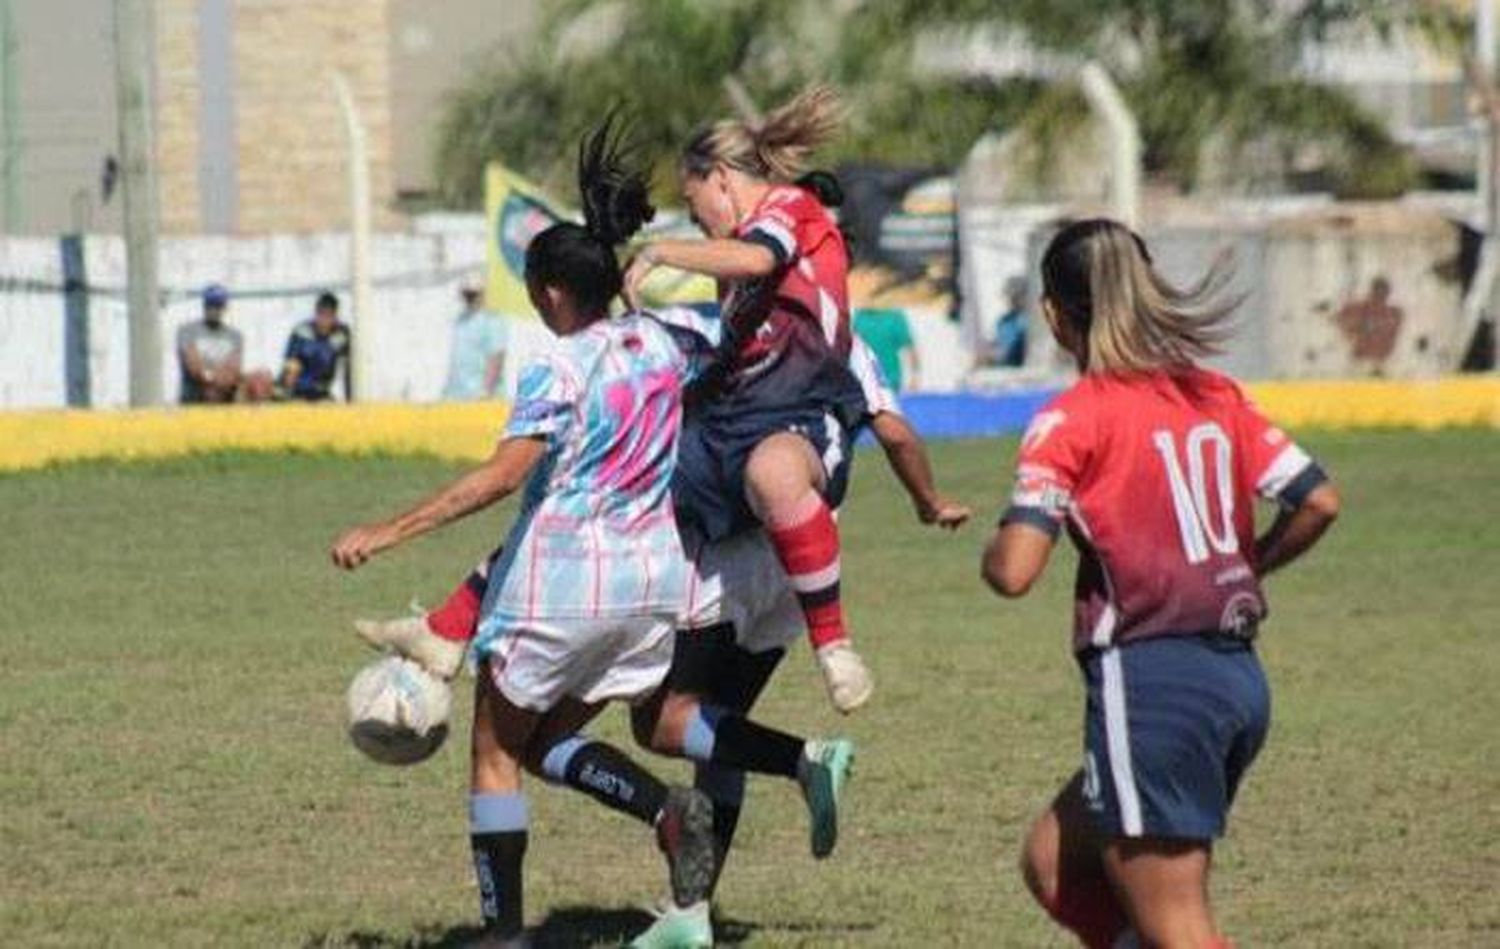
<point x="777" y="148"/>
<point x="1125" y="315"/>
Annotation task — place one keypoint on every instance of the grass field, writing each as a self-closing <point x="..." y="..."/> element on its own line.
<point x="174" y="769"/>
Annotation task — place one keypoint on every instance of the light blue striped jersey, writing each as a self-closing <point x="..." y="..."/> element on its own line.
<point x="595" y="536"/>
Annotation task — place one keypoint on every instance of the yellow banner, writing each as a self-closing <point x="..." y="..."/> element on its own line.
<point x="516" y="211"/>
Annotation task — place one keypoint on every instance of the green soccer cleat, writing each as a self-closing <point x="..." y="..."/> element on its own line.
<point x="676" y="928"/>
<point x="824" y="768"/>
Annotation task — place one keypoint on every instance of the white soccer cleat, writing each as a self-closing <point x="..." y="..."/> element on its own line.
<point x="411" y="637"/>
<point x="849" y="682"/>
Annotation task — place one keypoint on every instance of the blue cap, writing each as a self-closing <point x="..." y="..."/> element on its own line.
<point x="215" y="295"/>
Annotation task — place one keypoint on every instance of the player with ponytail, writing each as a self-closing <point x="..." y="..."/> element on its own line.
<point x="769" y="441"/>
<point x="1153" y="464"/>
<point x="584" y="597"/>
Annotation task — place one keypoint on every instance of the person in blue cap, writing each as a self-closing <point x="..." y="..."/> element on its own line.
<point x="210" y="352"/>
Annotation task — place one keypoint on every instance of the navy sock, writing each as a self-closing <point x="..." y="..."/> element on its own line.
<point x="497" y="836"/>
<point x="725" y="787"/>
<point x="606" y="774"/>
<point x="724" y="738"/>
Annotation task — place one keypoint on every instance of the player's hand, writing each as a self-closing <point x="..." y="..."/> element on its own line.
<point x="357" y="546"/>
<point x="636" y="272"/>
<point x="944" y="513"/>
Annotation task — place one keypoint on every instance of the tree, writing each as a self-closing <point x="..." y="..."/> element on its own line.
<point x="1197" y="73"/>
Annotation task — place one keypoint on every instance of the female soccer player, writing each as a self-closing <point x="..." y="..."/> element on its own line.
<point x="769" y="444"/>
<point x="583" y="602"/>
<point x="1153" y="464"/>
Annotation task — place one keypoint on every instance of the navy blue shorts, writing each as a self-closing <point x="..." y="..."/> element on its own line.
<point x="1172" y="725"/>
<point x="708" y="488"/>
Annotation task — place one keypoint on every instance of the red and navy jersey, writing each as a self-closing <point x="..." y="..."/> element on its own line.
<point x="1155" y="476"/>
<point x="787" y="336"/>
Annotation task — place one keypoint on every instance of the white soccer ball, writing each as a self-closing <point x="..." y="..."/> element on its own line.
<point x="398" y="711"/>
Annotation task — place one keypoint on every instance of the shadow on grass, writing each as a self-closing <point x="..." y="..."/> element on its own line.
<point x="570" y="927"/>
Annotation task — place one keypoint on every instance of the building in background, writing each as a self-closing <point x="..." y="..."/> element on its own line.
<point x="249" y="135"/>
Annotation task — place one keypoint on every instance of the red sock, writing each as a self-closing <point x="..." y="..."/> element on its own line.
<point x="1089" y="909"/>
<point x="807" y="544"/>
<point x="458" y="618"/>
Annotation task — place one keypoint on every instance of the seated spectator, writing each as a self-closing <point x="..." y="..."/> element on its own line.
<point x="210" y="355"/>
<point x="1009" y="347"/>
<point x="888" y="334"/>
<point x="315" y="352"/>
<point x="477" y="357"/>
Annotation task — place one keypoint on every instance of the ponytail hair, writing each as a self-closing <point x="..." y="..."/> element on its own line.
<point x="614" y="186"/>
<point x="777" y="148"/>
<point x="1126" y="317"/>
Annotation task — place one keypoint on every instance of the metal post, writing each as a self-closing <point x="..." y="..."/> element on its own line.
<point x="134" y="47"/>
<point x="360" y="343"/>
<point x="1124" y="141"/>
<point x="10" y="119"/>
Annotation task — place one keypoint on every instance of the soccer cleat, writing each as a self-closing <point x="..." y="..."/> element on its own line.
<point x="685" y="834"/>
<point x="676" y="928"/>
<point x="849" y="682"/>
<point x="411" y="637"/>
<point x="824" y="768"/>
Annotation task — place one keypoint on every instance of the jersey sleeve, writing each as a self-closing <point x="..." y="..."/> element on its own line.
<point x="879" y="396"/>
<point x="695" y="332"/>
<point x="778" y="226"/>
<point x="1054" y="453"/>
<point x="1277" y="467"/>
<point x="545" y="396"/>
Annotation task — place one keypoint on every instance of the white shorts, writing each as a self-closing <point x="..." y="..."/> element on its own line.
<point x="739" y="581"/>
<point x="537" y="663"/>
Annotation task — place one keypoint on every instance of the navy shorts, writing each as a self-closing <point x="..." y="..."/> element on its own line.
<point x="708" y="488"/>
<point x="1172" y="725"/>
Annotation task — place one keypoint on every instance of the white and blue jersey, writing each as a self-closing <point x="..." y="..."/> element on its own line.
<point x="596" y="536"/>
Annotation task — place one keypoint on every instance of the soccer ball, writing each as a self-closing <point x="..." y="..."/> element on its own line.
<point x="398" y="711"/>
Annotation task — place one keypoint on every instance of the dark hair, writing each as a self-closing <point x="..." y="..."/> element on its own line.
<point x="825" y="187"/>
<point x="327" y="301"/>
<point x="614" y="185"/>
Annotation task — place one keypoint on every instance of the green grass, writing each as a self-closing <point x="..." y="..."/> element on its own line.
<point x="174" y="771"/>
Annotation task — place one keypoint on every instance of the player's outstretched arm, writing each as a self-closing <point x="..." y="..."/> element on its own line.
<point x="1296" y="530"/>
<point x="1015" y="557"/>
<point x="504" y="473"/>
<point x="907" y="455"/>
<point x="720" y="258"/>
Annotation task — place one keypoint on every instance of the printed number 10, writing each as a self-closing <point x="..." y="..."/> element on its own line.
<point x="1190" y="492"/>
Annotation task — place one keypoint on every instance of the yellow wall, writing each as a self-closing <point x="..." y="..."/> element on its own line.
<point x="469" y="430"/>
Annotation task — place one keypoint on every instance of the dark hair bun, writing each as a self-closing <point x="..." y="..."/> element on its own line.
<point x="614" y="185"/>
<point x="825" y="186"/>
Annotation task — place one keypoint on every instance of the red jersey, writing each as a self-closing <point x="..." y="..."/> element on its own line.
<point x="1155" y="475"/>
<point x="789" y="332"/>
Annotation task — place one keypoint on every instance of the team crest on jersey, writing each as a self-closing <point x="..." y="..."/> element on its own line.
<point x="1041" y="426"/>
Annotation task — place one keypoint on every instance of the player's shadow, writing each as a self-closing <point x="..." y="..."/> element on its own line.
<point x="569" y="927"/>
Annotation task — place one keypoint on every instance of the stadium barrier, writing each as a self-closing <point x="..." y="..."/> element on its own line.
<point x="468" y="430"/>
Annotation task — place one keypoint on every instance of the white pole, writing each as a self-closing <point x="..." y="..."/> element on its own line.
<point x="134" y="41"/>
<point x="361" y="344"/>
<point x="1124" y="141"/>
<point x="1484" y="60"/>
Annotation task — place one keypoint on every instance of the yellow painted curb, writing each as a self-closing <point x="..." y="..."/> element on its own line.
<point x="468" y="431"/>
<point x="464" y="431"/>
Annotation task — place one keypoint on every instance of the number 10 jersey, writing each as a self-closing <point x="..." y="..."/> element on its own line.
<point x="1155" y="476"/>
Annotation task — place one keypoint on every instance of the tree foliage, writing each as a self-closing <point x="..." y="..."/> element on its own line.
<point x="1194" y="71"/>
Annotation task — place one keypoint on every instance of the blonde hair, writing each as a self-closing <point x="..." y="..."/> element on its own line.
<point x="777" y="147"/>
<point x="1126" y="316"/>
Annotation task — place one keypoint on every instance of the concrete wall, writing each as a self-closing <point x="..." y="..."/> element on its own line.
<point x="274" y="281"/>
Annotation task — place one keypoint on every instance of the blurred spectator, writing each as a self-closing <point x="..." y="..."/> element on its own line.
<point x="1009" y="348"/>
<point x="477" y="357"/>
<point x="315" y="352"/>
<point x="888" y="334"/>
<point x="209" y="353"/>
